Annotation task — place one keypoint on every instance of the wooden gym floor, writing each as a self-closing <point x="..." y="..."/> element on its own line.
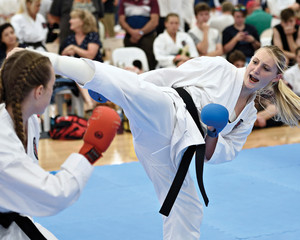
<point x="52" y="153"/>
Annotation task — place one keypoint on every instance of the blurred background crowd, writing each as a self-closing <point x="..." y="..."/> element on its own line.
<point x="142" y="35"/>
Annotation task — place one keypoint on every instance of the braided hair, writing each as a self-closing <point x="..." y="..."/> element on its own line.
<point x="20" y="73"/>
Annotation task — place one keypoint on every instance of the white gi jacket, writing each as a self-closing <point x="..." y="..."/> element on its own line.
<point x="161" y="126"/>
<point x="25" y="187"/>
<point x="30" y="30"/>
<point x="165" y="49"/>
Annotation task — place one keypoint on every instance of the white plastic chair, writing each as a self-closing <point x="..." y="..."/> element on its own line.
<point x="124" y="56"/>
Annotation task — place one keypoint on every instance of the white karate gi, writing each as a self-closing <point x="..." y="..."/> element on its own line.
<point x="165" y="49"/>
<point x="161" y="126"/>
<point x="29" y="30"/>
<point x="25" y="187"/>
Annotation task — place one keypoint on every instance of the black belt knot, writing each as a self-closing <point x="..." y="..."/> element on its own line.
<point x="7" y="218"/>
<point x="35" y="45"/>
<point x="27" y="226"/>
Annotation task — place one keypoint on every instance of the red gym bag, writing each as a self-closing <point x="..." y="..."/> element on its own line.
<point x="68" y="127"/>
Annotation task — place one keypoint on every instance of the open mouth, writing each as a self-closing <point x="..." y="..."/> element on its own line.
<point x="253" y="79"/>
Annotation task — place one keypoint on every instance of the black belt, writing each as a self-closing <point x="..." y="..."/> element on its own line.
<point x="186" y="160"/>
<point x="35" y="45"/>
<point x="27" y="226"/>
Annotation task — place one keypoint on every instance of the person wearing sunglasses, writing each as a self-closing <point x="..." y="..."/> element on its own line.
<point x="240" y="36"/>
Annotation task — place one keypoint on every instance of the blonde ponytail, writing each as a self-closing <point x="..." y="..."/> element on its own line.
<point x="287" y="103"/>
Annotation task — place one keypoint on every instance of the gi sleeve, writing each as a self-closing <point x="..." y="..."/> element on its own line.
<point x="28" y="189"/>
<point x="230" y="144"/>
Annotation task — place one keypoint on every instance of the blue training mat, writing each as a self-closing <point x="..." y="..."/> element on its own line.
<point x="254" y="197"/>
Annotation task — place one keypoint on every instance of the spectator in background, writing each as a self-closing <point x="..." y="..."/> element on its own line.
<point x="258" y="18"/>
<point x="286" y="35"/>
<point x="225" y="19"/>
<point x="8" y="40"/>
<point x="139" y="19"/>
<point x="83" y="43"/>
<point x="237" y="58"/>
<point x="241" y="36"/>
<point x="109" y="17"/>
<point x="206" y="38"/>
<point x="172" y="47"/>
<point x="292" y="75"/>
<point x="30" y="26"/>
<point x="60" y="13"/>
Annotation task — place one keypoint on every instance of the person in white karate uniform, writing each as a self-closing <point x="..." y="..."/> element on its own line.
<point x="30" y="26"/>
<point x="173" y="47"/>
<point x="162" y="128"/>
<point x="26" y="86"/>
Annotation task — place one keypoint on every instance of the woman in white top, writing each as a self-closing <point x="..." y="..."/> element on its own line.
<point x="162" y="128"/>
<point x="30" y="26"/>
<point x="172" y="47"/>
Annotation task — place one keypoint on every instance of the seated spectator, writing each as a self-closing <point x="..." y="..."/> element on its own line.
<point x="8" y="40"/>
<point x="241" y="36"/>
<point x="206" y="38"/>
<point x="286" y="35"/>
<point x="258" y="17"/>
<point x="83" y="43"/>
<point x="292" y="75"/>
<point x="60" y="13"/>
<point x="225" y="19"/>
<point x="172" y="48"/>
<point x="30" y="26"/>
<point x="237" y="58"/>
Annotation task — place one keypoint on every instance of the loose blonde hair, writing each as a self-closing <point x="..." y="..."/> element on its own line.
<point x="88" y="19"/>
<point x="285" y="100"/>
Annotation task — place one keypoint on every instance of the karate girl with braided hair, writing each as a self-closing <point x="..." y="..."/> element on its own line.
<point x="26" y="85"/>
<point x="163" y="126"/>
